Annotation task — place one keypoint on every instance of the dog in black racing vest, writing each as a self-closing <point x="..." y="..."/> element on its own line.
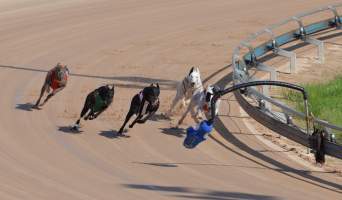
<point x="96" y="102"/>
<point x="143" y="105"/>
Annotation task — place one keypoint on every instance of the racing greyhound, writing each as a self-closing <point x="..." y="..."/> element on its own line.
<point x="96" y="102"/>
<point x="189" y="90"/>
<point x="144" y="105"/>
<point x="56" y="79"/>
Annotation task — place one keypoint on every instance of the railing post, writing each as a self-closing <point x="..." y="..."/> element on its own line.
<point x="320" y="47"/>
<point x="292" y="56"/>
<point x="337" y="20"/>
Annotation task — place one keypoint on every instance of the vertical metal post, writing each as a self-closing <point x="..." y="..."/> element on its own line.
<point x="292" y="56"/>
<point x="307" y="119"/>
<point x="320" y="48"/>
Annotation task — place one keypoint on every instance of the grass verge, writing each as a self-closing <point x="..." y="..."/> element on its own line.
<point x="325" y="101"/>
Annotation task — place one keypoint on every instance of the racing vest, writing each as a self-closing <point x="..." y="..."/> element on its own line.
<point x="59" y="78"/>
<point x="99" y="103"/>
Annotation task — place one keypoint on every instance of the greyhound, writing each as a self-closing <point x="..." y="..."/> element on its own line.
<point x="191" y="93"/>
<point x="96" y="102"/>
<point x="56" y="79"/>
<point x="145" y="103"/>
<point x="201" y="104"/>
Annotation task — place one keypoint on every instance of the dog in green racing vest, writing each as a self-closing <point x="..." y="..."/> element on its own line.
<point x="96" y="102"/>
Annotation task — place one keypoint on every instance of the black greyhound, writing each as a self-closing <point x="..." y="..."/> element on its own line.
<point x="96" y="102"/>
<point x="144" y="103"/>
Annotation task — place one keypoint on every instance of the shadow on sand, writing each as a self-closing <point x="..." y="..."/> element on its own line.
<point x="178" y="132"/>
<point x="25" y="106"/>
<point x="196" y="193"/>
<point x="112" y="134"/>
<point x="158" y="117"/>
<point x="67" y="129"/>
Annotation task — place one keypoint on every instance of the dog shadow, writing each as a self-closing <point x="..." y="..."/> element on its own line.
<point x="112" y="134"/>
<point x="177" y="132"/>
<point x="25" y="106"/>
<point x="67" y="129"/>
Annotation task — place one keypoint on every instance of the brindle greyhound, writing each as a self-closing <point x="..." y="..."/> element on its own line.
<point x="96" y="102"/>
<point x="56" y="79"/>
<point x="144" y="105"/>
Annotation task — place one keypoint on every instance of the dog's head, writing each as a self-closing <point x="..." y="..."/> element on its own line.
<point x="210" y="91"/>
<point x="209" y="94"/>
<point x="194" y="78"/>
<point x="110" y="90"/>
<point x="62" y="72"/>
<point x="152" y="93"/>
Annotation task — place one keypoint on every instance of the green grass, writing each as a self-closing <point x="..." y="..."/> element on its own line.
<point x="325" y="102"/>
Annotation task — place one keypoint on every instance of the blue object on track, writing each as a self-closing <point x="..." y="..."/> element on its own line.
<point x="198" y="135"/>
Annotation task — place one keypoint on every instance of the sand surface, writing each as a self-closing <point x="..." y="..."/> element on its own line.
<point x="134" y="43"/>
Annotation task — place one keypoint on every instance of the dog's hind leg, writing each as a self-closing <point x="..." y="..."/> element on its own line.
<point x="172" y="107"/>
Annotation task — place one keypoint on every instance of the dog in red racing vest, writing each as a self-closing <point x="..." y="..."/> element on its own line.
<point x="56" y="79"/>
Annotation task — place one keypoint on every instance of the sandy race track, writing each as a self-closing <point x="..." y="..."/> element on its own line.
<point x="133" y="43"/>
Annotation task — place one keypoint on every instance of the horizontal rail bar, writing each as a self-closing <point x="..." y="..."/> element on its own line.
<point x="289" y="110"/>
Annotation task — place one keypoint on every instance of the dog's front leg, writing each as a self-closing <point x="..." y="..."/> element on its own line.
<point x="53" y="93"/>
<point x="128" y="116"/>
<point x="89" y="115"/>
<point x="175" y="101"/>
<point x="98" y="113"/>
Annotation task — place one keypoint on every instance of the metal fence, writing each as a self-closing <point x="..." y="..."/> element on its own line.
<point x="255" y="59"/>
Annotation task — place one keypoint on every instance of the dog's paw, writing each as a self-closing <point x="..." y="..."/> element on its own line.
<point x="36" y="107"/>
<point x="91" y="117"/>
<point x="75" y="128"/>
<point x="174" y="125"/>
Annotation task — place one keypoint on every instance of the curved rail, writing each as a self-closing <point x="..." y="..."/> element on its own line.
<point x="252" y="59"/>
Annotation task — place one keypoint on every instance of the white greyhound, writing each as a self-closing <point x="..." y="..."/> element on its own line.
<point x="190" y="92"/>
<point x="202" y="101"/>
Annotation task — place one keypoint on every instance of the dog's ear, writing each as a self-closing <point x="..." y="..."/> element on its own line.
<point x="191" y="70"/>
<point x="151" y="85"/>
<point x="197" y="69"/>
<point x="158" y="85"/>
